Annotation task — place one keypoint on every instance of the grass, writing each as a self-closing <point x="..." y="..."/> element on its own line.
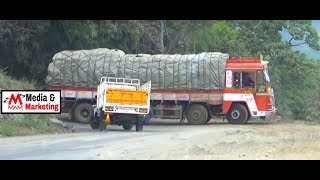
<point x="28" y="124"/>
<point x="31" y="124"/>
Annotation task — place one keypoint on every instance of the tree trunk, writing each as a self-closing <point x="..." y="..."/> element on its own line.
<point x="161" y="41"/>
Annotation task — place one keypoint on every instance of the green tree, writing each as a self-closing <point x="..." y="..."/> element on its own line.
<point x="220" y="36"/>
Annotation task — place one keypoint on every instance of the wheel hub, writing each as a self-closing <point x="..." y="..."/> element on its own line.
<point x="196" y="114"/>
<point x="235" y="114"/>
<point x="84" y="113"/>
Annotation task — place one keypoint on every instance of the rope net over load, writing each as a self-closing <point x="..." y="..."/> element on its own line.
<point x="84" y="68"/>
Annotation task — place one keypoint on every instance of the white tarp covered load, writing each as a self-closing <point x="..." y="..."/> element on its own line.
<point x="83" y="67"/>
<point x="189" y="71"/>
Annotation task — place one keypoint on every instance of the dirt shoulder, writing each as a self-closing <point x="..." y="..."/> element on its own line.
<point x="224" y="141"/>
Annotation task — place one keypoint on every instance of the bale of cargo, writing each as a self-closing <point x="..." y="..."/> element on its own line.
<point x="82" y="68"/>
<point x="176" y="71"/>
<point x="188" y="71"/>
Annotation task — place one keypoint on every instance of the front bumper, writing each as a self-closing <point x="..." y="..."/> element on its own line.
<point x="271" y="114"/>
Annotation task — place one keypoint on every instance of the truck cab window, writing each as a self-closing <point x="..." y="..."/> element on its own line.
<point x="260" y="82"/>
<point x="247" y="80"/>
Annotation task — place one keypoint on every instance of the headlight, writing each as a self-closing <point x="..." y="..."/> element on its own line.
<point x="268" y="89"/>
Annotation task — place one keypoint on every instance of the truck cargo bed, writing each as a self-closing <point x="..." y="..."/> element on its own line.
<point x="127" y="97"/>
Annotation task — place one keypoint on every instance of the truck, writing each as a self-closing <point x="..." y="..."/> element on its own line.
<point x="195" y="87"/>
<point x="120" y="101"/>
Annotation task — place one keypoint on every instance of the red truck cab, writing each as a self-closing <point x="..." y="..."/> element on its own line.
<point x="247" y="92"/>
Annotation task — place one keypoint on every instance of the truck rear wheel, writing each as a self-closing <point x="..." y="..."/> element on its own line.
<point x="238" y="114"/>
<point x="127" y="126"/>
<point x="82" y="113"/>
<point x="197" y="114"/>
<point x="127" y="120"/>
<point x="209" y="118"/>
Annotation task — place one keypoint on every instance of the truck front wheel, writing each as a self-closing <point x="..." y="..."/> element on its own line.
<point x="237" y="114"/>
<point x="94" y="124"/>
<point x="197" y="114"/>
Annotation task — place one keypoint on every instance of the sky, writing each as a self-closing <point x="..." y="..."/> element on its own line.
<point x="306" y="49"/>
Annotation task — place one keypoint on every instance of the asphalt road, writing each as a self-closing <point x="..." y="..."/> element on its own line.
<point x="167" y="139"/>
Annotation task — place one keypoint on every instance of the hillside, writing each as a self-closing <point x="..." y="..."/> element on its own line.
<point x="24" y="124"/>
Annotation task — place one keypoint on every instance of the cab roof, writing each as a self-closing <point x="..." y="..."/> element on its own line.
<point x="246" y="63"/>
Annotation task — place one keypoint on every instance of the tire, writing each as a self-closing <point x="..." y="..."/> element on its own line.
<point x="249" y="117"/>
<point x="82" y="113"/>
<point x="209" y="118"/>
<point x="127" y="126"/>
<point x="197" y="114"/>
<point x="94" y="125"/>
<point x="127" y="118"/>
<point x="237" y="114"/>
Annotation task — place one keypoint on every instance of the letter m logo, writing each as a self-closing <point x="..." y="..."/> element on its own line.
<point x="15" y="99"/>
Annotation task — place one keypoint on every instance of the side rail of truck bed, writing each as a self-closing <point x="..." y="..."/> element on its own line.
<point x="212" y="97"/>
